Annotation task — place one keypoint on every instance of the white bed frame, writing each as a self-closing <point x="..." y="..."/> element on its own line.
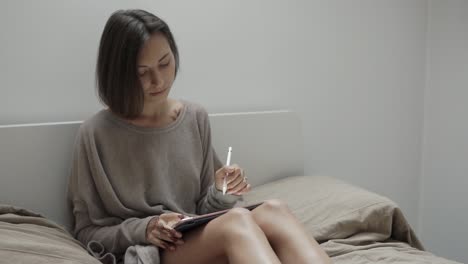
<point x="35" y="158"/>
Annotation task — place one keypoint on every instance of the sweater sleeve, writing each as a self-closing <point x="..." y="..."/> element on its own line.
<point x="211" y="199"/>
<point x="91" y="220"/>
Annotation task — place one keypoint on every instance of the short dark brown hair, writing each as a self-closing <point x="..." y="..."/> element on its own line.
<point x="117" y="80"/>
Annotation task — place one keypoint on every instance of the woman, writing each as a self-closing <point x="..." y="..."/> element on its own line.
<point x="146" y="162"/>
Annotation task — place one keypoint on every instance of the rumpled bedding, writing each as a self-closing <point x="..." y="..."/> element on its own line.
<point x="353" y="225"/>
<point x="27" y="237"/>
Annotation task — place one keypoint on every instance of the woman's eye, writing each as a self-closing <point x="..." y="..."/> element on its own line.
<point x="165" y="64"/>
<point x="142" y="73"/>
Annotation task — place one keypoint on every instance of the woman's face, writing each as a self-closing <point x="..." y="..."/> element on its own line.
<point x="156" y="68"/>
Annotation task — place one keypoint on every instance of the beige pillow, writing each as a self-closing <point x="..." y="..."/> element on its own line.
<point x="27" y="237"/>
<point x="333" y="209"/>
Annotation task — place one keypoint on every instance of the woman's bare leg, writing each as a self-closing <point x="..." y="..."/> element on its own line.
<point x="286" y="234"/>
<point x="231" y="238"/>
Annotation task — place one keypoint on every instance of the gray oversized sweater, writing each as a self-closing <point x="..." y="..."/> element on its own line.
<point x="123" y="175"/>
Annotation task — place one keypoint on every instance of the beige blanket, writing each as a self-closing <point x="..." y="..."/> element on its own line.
<point x="26" y="237"/>
<point x="353" y="225"/>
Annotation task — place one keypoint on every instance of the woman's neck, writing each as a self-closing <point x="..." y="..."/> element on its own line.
<point x="159" y="115"/>
<point x="156" y="111"/>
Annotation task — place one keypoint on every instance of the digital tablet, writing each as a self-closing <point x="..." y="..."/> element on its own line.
<point x="191" y="222"/>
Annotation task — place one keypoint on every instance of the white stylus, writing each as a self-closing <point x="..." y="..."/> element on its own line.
<point x="228" y="162"/>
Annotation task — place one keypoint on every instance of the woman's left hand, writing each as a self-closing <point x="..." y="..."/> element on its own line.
<point x="236" y="180"/>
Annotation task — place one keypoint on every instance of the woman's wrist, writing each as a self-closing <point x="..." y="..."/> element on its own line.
<point x="151" y="225"/>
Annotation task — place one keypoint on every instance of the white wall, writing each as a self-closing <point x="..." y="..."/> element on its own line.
<point x="354" y="70"/>
<point x="445" y="152"/>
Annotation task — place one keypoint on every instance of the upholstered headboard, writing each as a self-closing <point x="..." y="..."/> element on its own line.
<point x="35" y="158"/>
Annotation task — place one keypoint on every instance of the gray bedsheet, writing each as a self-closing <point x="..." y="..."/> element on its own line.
<point x="26" y="237"/>
<point x="353" y="225"/>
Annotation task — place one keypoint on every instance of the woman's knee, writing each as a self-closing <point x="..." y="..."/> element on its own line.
<point x="236" y="223"/>
<point x="271" y="214"/>
<point x="237" y="217"/>
<point x="275" y="206"/>
<point x="238" y="213"/>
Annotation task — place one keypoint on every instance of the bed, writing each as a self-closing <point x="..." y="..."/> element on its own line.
<point x="353" y="225"/>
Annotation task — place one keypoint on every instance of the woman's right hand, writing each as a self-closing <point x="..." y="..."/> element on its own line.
<point x="160" y="231"/>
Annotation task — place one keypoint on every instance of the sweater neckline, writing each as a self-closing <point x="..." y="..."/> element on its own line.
<point x="123" y="123"/>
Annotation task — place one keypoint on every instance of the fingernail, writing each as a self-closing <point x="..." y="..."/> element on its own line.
<point x="179" y="235"/>
<point x="172" y="248"/>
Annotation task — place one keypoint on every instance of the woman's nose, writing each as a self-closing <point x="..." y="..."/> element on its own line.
<point x="156" y="78"/>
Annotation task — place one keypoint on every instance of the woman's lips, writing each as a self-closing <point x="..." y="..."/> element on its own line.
<point x="157" y="93"/>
